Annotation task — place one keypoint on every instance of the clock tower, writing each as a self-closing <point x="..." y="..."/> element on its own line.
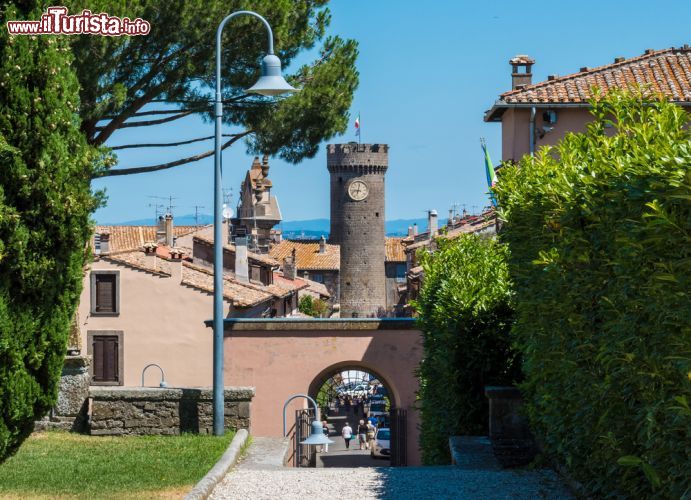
<point x="357" y="225"/>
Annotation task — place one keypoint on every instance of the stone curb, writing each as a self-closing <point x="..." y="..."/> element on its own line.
<point x="203" y="488"/>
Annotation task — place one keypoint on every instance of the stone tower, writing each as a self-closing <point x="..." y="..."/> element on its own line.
<point x="357" y="224"/>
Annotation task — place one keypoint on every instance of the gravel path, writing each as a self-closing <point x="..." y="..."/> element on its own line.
<point x="388" y="483"/>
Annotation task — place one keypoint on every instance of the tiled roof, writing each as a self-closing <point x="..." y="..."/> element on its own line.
<point x="309" y="258"/>
<point x="666" y="72"/>
<point x="128" y="238"/>
<point x="139" y="260"/>
<point x="395" y="252"/>
<point x="315" y="287"/>
<point x="239" y="294"/>
<point x="264" y="259"/>
<point x="307" y="255"/>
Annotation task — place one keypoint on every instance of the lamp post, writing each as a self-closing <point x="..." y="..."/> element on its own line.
<point x="317" y="434"/>
<point x="270" y="83"/>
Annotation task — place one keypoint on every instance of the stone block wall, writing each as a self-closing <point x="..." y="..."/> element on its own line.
<point x="358" y="226"/>
<point x="69" y="412"/>
<point x="118" y="411"/>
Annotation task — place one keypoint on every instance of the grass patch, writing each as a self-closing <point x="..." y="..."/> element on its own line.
<point x="64" y="465"/>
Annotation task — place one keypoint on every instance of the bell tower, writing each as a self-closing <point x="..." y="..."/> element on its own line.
<point x="357" y="225"/>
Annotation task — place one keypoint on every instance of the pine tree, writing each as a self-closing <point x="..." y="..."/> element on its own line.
<point x="45" y="204"/>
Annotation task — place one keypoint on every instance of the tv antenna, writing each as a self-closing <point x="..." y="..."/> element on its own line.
<point x="196" y="214"/>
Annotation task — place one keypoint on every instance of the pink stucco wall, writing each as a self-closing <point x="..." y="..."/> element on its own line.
<point x="285" y="360"/>
<point x="515" y="129"/>
<point x="162" y="322"/>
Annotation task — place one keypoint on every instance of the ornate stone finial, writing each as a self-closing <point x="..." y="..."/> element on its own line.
<point x="265" y="165"/>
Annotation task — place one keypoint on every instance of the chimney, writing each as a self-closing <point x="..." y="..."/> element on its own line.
<point x="415" y="229"/>
<point x="322" y="245"/>
<point x="168" y="224"/>
<point x="410" y="231"/>
<point x="524" y="76"/>
<point x="176" y="256"/>
<point x="290" y="270"/>
<point x="161" y="230"/>
<point x="432" y="226"/>
<point x="105" y="242"/>
<point x="241" y="264"/>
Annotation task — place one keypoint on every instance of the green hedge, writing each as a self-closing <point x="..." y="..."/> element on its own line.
<point x="598" y="232"/>
<point x="45" y="203"/>
<point x="465" y="312"/>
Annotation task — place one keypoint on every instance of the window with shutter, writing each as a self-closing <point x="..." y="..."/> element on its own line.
<point x="105" y="348"/>
<point x="104" y="292"/>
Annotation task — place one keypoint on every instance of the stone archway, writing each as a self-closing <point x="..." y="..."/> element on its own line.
<point x="283" y="357"/>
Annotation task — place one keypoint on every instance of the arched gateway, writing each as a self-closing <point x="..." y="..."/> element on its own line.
<point x="283" y="357"/>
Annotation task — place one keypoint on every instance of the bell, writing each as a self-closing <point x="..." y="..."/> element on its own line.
<point x="317" y="436"/>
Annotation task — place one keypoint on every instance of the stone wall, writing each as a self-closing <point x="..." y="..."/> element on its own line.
<point x="358" y="226"/>
<point x="145" y="410"/>
<point x="69" y="411"/>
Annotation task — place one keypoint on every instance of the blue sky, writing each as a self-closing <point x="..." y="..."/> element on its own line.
<point x="428" y="71"/>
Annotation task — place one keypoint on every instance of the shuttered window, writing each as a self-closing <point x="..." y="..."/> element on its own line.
<point x="104" y="292"/>
<point x="105" y="351"/>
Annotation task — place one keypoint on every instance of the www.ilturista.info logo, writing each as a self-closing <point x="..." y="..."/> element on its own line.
<point x="56" y="21"/>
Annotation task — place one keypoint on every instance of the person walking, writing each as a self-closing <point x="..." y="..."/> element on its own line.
<point x="371" y="429"/>
<point x="347" y="433"/>
<point x="325" y="430"/>
<point x="362" y="434"/>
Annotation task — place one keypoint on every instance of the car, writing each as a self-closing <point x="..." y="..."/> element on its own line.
<point x="382" y="444"/>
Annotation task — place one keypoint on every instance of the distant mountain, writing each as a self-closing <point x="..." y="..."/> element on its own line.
<point x="311" y="228"/>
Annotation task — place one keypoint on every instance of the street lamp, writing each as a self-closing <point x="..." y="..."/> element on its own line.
<point x="317" y="434"/>
<point x="270" y="83"/>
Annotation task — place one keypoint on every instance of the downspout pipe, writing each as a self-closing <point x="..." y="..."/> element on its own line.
<point x="532" y="130"/>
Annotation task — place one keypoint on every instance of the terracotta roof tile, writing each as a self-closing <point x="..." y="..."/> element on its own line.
<point x="128" y="238"/>
<point x="309" y="258"/>
<point x="239" y="294"/>
<point x="666" y="72"/>
<point x="307" y="255"/>
<point x="395" y="252"/>
<point x="139" y="260"/>
<point x="265" y="259"/>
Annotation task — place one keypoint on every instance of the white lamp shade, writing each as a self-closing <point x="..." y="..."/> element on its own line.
<point x="317" y="436"/>
<point x="271" y="82"/>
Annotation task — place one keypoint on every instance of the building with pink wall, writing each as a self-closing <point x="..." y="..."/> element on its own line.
<point x="146" y="302"/>
<point x="283" y="357"/>
<point x="538" y="114"/>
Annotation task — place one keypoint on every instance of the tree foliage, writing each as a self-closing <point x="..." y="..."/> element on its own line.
<point x="173" y="68"/>
<point x="310" y="306"/>
<point x="45" y="204"/>
<point x="465" y="311"/>
<point x="598" y="231"/>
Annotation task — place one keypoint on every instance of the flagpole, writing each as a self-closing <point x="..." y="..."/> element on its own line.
<point x="359" y="133"/>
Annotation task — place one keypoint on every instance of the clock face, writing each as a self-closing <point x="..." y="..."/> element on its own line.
<point x="358" y="190"/>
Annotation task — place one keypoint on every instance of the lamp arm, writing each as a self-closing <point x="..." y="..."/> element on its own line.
<point x="285" y="406"/>
<point x="218" y="42"/>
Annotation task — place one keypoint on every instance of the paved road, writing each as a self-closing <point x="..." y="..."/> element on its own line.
<point x="260" y="476"/>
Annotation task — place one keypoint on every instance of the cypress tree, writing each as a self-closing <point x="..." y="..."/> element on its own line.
<point x="45" y="205"/>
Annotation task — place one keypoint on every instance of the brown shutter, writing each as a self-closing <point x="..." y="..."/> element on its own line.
<point x="105" y="293"/>
<point x="105" y="358"/>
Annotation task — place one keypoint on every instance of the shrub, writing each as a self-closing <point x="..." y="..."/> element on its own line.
<point x="45" y="203"/>
<point x="465" y="312"/>
<point x="310" y="306"/>
<point x="598" y="232"/>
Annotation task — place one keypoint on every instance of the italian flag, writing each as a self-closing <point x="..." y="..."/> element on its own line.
<point x="489" y="170"/>
<point x="357" y="125"/>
